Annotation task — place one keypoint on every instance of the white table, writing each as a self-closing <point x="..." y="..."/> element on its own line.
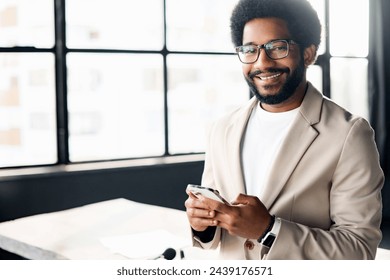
<point x="76" y="233"/>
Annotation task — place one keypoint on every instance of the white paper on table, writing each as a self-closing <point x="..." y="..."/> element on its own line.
<point x="144" y="245"/>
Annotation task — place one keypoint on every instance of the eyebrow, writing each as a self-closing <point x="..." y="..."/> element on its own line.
<point x="252" y="43"/>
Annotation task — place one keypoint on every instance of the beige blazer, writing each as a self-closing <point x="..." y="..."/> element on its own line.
<point x="325" y="184"/>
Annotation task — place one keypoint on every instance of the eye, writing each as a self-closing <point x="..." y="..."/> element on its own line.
<point x="248" y="50"/>
<point x="280" y="48"/>
<point x="276" y="46"/>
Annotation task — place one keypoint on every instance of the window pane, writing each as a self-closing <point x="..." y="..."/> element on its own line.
<point x="115" y="106"/>
<point x="349" y="84"/>
<point x="20" y="26"/>
<point x="319" y="6"/>
<point x="198" y="95"/>
<point x="117" y="24"/>
<point x="201" y="25"/>
<point x="348" y="21"/>
<point x="314" y="75"/>
<point x="27" y="110"/>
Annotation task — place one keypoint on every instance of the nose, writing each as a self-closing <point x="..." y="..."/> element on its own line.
<point x="264" y="61"/>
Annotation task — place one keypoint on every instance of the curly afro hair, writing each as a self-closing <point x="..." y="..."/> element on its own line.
<point x="302" y="20"/>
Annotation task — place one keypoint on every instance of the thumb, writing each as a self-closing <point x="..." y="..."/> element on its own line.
<point x="241" y="199"/>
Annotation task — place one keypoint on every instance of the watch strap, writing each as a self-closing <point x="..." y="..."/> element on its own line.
<point x="268" y="229"/>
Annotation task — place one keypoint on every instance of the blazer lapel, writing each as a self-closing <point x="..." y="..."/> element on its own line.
<point x="298" y="140"/>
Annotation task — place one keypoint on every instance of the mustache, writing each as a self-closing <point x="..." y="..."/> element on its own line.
<point x="252" y="74"/>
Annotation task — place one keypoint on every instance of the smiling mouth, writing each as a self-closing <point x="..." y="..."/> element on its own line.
<point x="266" y="78"/>
<point x="267" y="75"/>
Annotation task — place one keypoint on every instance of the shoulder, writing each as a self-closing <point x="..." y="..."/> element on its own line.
<point x="341" y="118"/>
<point x="323" y="112"/>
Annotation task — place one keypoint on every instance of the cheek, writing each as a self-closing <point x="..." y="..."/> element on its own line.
<point x="289" y="65"/>
<point x="246" y="69"/>
<point x="294" y="60"/>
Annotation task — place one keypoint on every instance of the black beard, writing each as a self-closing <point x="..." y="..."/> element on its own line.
<point x="287" y="90"/>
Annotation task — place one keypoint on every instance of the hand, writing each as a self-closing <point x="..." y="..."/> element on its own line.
<point x="199" y="214"/>
<point x="246" y="217"/>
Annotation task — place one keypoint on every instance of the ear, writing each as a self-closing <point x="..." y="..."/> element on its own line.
<point x="310" y="55"/>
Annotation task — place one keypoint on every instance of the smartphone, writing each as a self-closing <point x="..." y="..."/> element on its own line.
<point x="207" y="192"/>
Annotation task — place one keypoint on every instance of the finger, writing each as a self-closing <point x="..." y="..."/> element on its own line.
<point x="228" y="222"/>
<point x="189" y="192"/>
<point x="200" y="213"/>
<point x="221" y="217"/>
<point x="215" y="205"/>
<point x="244" y="199"/>
<point x="241" y="199"/>
<point x="200" y="224"/>
<point x="192" y="195"/>
<point x="194" y="202"/>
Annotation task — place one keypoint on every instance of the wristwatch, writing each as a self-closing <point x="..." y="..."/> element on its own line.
<point x="270" y="236"/>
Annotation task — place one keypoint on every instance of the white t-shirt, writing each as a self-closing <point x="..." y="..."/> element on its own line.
<point x="264" y="134"/>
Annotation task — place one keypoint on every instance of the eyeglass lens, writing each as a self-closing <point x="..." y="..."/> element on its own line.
<point x="274" y="50"/>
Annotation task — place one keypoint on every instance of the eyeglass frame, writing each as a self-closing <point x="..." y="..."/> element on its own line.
<point x="263" y="46"/>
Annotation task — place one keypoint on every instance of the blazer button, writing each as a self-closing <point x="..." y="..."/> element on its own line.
<point x="249" y="245"/>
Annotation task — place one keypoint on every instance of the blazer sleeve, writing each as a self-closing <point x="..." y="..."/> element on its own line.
<point x="208" y="181"/>
<point x="355" y="208"/>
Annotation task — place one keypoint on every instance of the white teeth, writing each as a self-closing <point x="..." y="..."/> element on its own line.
<point x="270" y="77"/>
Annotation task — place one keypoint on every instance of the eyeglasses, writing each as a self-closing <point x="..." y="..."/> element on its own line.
<point x="275" y="49"/>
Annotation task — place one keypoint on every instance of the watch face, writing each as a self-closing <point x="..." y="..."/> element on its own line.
<point x="269" y="240"/>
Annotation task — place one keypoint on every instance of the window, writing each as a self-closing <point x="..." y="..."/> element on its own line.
<point x="348" y="47"/>
<point x="116" y="105"/>
<point x="343" y="55"/>
<point x="124" y="80"/>
<point x="27" y="88"/>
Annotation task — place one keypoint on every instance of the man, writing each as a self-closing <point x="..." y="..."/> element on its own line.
<point x="302" y="173"/>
